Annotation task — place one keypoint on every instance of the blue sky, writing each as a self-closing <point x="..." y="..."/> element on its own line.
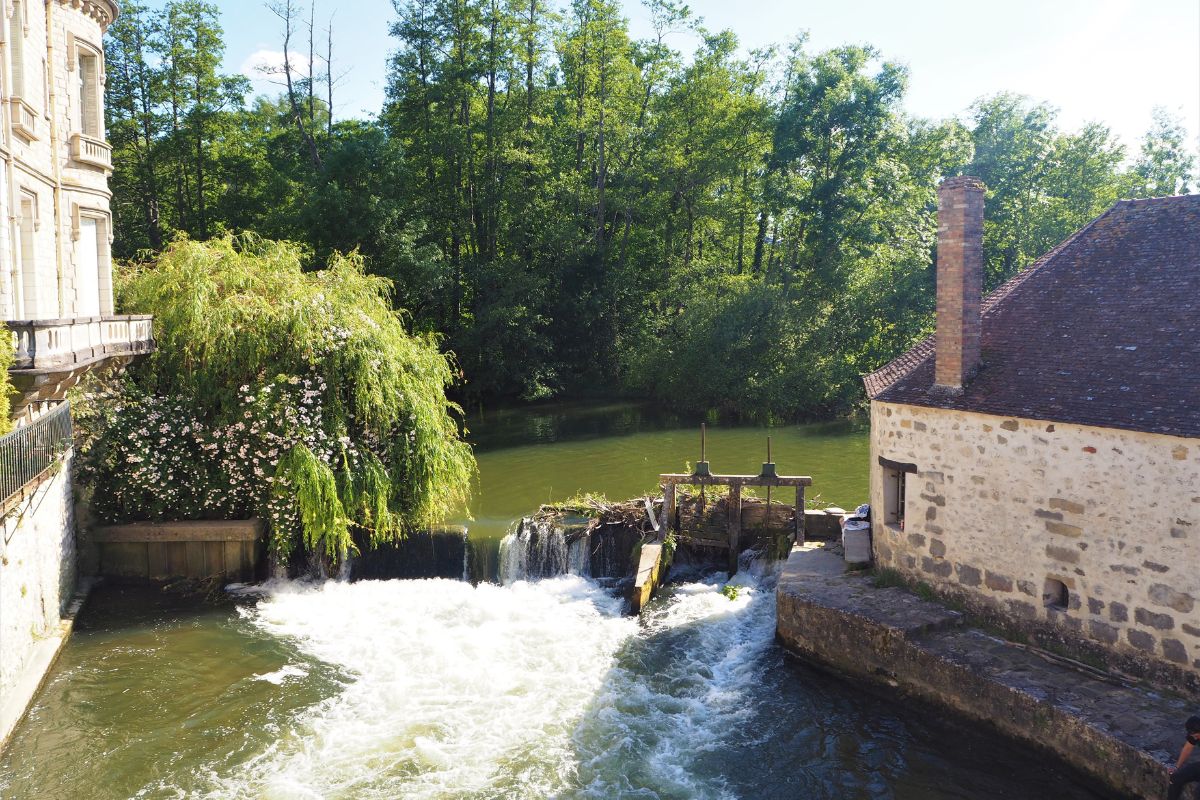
<point x="1105" y="60"/>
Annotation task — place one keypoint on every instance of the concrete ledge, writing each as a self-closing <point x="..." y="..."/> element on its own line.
<point x="1121" y="735"/>
<point x="238" y="530"/>
<point x="45" y="653"/>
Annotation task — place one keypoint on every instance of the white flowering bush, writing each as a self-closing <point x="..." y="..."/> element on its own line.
<point x="298" y="397"/>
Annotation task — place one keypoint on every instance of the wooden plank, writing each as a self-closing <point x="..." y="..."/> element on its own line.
<point x="734" y="502"/>
<point x="671" y="479"/>
<point x="254" y="550"/>
<point x="233" y="559"/>
<point x="715" y="544"/>
<point x="194" y="560"/>
<point x="124" y="560"/>
<point x="156" y="560"/>
<point x="214" y="558"/>
<point x="247" y="571"/>
<point x="196" y="531"/>
<point x="669" y="505"/>
<point x="650" y="514"/>
<point x="800" y="515"/>
<point x="177" y="559"/>
<point x="645" y="580"/>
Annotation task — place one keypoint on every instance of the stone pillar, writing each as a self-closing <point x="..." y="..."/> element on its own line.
<point x="959" y="281"/>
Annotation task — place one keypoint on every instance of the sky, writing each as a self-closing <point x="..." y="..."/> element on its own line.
<point x="1110" y="61"/>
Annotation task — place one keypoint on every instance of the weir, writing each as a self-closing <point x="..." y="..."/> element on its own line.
<point x="633" y="544"/>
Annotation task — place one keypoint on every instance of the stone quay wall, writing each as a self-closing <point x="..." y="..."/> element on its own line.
<point x="1120" y="736"/>
<point x="1078" y="536"/>
<point x="37" y="573"/>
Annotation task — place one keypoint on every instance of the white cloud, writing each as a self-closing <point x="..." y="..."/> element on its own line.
<point x="264" y="68"/>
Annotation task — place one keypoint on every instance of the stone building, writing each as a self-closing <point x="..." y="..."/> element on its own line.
<point x="56" y="301"/>
<point x="1038" y="458"/>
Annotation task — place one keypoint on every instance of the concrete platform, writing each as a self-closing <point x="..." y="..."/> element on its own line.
<point x="1121" y="734"/>
<point x="17" y="701"/>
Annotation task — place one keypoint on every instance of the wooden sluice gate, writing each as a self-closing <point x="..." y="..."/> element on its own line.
<point x="702" y="534"/>
<point x="692" y="525"/>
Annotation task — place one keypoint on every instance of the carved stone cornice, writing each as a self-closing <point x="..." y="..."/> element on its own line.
<point x="103" y="11"/>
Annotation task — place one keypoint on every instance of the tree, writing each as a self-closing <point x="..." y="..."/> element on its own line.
<point x="168" y="111"/>
<point x="298" y="396"/>
<point x="1165" y="165"/>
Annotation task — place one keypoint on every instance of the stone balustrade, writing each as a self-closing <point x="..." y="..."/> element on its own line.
<point x="49" y="344"/>
<point x="90" y="150"/>
<point x="52" y="355"/>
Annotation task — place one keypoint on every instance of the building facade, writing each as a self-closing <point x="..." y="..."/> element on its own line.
<point x="1038" y="459"/>
<point x="56" y="290"/>
<point x="56" y="162"/>
<point x="56" y="305"/>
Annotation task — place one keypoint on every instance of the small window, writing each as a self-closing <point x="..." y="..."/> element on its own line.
<point x="893" y="496"/>
<point x="26" y="259"/>
<point x="89" y="94"/>
<point x="17" y="30"/>
<point x="1055" y="594"/>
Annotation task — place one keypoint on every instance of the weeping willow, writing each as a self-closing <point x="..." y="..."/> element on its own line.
<point x="240" y="311"/>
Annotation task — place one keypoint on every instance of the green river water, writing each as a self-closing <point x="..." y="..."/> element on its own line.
<point x="439" y="689"/>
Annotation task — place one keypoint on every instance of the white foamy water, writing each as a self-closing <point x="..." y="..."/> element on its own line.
<point x="279" y="676"/>
<point x="683" y="691"/>
<point x="532" y="690"/>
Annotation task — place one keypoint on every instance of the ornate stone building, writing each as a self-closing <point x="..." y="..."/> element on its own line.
<point x="1039" y="457"/>
<point x="56" y="301"/>
<point x="56" y="290"/>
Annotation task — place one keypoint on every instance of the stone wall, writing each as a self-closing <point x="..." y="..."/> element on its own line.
<point x="1086" y="537"/>
<point x="37" y="571"/>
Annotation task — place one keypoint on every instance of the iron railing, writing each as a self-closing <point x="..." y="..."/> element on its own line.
<point x="32" y="449"/>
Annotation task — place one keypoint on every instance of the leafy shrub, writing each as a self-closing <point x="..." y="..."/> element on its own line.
<point x="297" y="396"/>
<point x="6" y="360"/>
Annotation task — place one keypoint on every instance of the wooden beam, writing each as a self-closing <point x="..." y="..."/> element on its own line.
<point x="669" y="506"/>
<point x="650" y="514"/>
<point x="734" y="503"/>
<point x="244" y="530"/>
<point x="899" y="466"/>
<point x="800" y="515"/>
<point x="675" y="479"/>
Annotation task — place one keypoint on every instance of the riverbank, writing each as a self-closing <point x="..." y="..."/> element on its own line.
<point x="1120" y="734"/>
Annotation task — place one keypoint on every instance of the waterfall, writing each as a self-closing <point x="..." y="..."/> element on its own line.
<point x="542" y="549"/>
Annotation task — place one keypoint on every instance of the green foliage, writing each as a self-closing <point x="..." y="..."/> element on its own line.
<point x="1043" y="184"/>
<point x="887" y="577"/>
<point x="588" y="504"/>
<point x="731" y="591"/>
<point x="1165" y="165"/>
<point x="300" y="396"/>
<point x="670" y="544"/>
<point x="579" y="211"/>
<point x="7" y="353"/>
<point x="323" y="520"/>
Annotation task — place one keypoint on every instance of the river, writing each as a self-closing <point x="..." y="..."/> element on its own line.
<point x="439" y="689"/>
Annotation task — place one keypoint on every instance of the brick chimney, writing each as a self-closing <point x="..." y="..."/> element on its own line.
<point x="959" y="282"/>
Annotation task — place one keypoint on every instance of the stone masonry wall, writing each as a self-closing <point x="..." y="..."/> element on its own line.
<point x="999" y="506"/>
<point x="37" y="571"/>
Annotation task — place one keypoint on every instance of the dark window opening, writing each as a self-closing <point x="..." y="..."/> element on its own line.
<point x="1055" y="594"/>
<point x="893" y="494"/>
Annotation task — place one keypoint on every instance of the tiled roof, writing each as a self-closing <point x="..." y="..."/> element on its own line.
<point x="1103" y="330"/>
